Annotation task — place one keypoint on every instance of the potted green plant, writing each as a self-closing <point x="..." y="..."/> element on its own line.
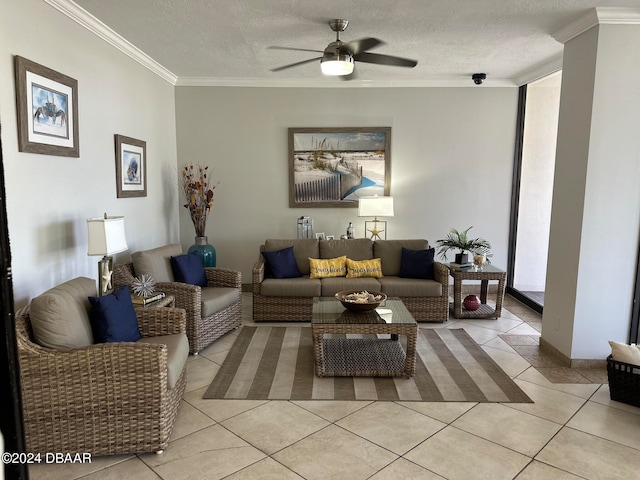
<point x="459" y="240"/>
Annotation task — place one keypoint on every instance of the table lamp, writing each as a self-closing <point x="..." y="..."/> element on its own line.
<point x="375" y="207"/>
<point x="106" y="237"/>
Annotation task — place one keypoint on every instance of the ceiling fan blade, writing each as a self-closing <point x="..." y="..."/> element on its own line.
<point x="296" y="49"/>
<point x="379" y="59"/>
<point x="295" y="64"/>
<point x="362" y="44"/>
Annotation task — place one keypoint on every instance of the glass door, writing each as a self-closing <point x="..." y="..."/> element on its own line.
<point x="532" y="189"/>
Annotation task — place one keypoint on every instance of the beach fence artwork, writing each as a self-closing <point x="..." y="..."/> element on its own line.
<point x="334" y="167"/>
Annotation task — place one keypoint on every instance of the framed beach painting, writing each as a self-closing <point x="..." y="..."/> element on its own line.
<point x="334" y="167"/>
<point x="131" y="167"/>
<point x="47" y="103"/>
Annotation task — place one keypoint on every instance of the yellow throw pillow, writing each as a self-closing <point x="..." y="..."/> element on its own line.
<point x="328" y="267"/>
<point x="364" y="268"/>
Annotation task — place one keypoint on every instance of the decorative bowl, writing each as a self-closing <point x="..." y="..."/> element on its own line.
<point x="360" y="300"/>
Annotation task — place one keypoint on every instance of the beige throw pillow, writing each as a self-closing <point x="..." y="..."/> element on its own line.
<point x="622" y="352"/>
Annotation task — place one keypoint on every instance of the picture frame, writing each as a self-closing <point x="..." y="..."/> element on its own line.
<point x="131" y="167"/>
<point x="330" y="237"/>
<point x="320" y="236"/>
<point x="333" y="167"/>
<point x="47" y="110"/>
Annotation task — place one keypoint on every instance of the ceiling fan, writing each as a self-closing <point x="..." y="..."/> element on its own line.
<point x="339" y="58"/>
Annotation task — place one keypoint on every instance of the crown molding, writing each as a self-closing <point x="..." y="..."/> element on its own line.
<point x="598" y="16"/>
<point x="539" y="71"/>
<point x="95" y="26"/>
<point x="335" y="83"/>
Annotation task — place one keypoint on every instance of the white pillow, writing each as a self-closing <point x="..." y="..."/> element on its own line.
<point x="622" y="352"/>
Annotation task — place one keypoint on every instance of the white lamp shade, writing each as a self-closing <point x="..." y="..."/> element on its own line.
<point x="106" y="236"/>
<point x="375" y="207"/>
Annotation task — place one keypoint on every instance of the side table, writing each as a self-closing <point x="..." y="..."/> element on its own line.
<point x="489" y="272"/>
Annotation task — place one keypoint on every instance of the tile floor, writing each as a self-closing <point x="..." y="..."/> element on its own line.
<point x="571" y="431"/>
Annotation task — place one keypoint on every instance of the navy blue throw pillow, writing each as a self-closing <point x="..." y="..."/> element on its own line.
<point x="113" y="318"/>
<point x="282" y="263"/>
<point x="189" y="269"/>
<point x="417" y="263"/>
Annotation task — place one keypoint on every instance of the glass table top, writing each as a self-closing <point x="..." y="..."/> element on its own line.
<point x="329" y="310"/>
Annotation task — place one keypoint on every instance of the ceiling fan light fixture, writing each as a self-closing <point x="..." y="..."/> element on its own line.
<point x="337" y="65"/>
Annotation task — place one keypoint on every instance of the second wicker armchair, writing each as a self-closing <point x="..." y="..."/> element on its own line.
<point x="212" y="311"/>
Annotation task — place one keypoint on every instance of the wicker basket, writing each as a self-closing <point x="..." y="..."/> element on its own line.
<point x="624" y="384"/>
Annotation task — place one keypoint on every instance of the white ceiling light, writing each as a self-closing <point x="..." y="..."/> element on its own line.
<point x="337" y="65"/>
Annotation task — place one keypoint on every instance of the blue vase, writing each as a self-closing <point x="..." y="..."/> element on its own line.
<point x="205" y="251"/>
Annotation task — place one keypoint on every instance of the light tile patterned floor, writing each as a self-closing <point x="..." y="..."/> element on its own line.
<point x="571" y="431"/>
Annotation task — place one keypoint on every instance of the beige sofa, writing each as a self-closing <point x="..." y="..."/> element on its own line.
<point x="291" y="299"/>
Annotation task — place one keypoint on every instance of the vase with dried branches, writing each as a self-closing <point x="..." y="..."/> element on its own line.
<point x="198" y="193"/>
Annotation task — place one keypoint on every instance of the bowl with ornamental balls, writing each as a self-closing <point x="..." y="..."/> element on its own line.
<point x="360" y="300"/>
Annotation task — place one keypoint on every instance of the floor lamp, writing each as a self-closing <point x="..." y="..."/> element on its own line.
<point x="106" y="237"/>
<point x="375" y="207"/>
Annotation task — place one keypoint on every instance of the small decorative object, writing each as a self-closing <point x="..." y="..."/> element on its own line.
<point x="47" y="110"/>
<point x="479" y="260"/>
<point x="351" y="231"/>
<point x="143" y="286"/>
<point x="131" y="167"/>
<point x="360" y="300"/>
<point x="305" y="227"/>
<point x="329" y="237"/>
<point x="198" y="193"/>
<point x="460" y="240"/>
<point x="471" y="302"/>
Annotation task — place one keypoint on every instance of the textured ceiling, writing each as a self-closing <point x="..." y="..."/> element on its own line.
<point x="227" y="40"/>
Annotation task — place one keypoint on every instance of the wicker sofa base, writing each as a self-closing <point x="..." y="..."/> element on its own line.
<point x="298" y="309"/>
<point x="282" y="309"/>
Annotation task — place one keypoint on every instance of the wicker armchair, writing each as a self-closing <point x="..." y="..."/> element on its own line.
<point x="104" y="399"/>
<point x="212" y="311"/>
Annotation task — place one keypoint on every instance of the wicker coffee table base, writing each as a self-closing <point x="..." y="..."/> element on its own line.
<point x="351" y="357"/>
<point x="364" y="357"/>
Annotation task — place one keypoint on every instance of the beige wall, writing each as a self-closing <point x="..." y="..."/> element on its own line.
<point x="451" y="160"/>
<point x="49" y="198"/>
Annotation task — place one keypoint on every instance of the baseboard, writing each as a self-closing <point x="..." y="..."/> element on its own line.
<point x="580" y="363"/>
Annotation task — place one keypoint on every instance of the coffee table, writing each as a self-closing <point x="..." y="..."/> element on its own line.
<point x="367" y="355"/>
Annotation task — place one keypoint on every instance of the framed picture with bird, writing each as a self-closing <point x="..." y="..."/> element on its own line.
<point x="47" y="103"/>
<point x="131" y="167"/>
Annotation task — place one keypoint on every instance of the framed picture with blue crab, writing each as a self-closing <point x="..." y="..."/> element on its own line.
<point x="47" y="103"/>
<point x="131" y="167"/>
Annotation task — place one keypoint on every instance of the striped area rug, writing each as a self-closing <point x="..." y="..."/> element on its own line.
<point x="277" y="363"/>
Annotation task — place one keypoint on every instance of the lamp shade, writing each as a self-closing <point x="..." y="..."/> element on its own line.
<point x="375" y="206"/>
<point x="337" y="65"/>
<point x="106" y="236"/>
